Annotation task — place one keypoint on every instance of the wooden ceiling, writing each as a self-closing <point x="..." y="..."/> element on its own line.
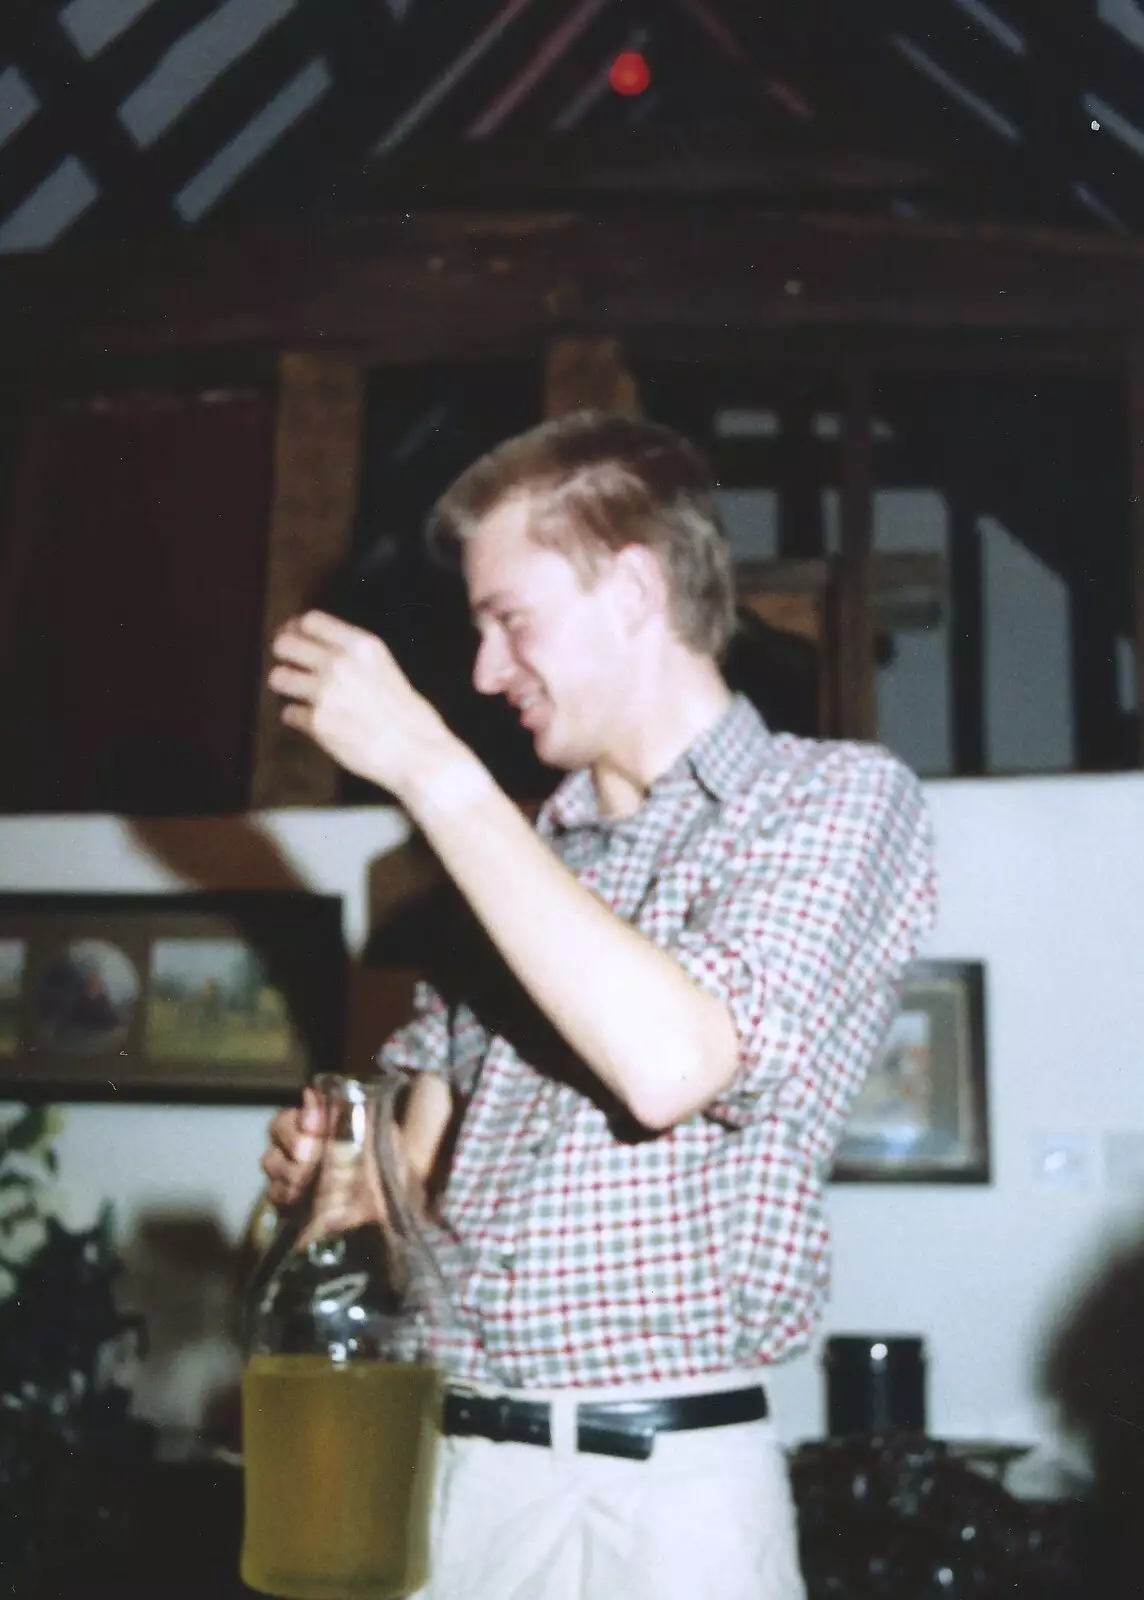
<point x="120" y="118"/>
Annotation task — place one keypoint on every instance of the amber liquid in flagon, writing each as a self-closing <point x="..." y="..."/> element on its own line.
<point x="339" y="1471"/>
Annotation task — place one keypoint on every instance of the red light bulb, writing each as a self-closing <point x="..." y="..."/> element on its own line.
<point x="629" y="73"/>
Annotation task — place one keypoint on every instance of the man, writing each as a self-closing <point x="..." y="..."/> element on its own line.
<point x="712" y="920"/>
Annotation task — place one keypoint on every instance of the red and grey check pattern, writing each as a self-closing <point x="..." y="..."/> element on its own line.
<point x="791" y="877"/>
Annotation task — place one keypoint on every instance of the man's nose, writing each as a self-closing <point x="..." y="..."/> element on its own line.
<point x="490" y="669"/>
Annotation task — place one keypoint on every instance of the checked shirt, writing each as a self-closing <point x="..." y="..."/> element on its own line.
<point x="792" y="878"/>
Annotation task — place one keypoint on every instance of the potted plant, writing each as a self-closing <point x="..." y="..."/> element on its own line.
<point x="66" y="1432"/>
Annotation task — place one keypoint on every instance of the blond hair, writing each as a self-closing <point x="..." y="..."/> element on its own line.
<point x="601" y="482"/>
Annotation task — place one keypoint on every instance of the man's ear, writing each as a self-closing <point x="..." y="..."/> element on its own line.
<point x="641" y="584"/>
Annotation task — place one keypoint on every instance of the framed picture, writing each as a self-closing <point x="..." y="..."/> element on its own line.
<point x="191" y="997"/>
<point x="922" y="1114"/>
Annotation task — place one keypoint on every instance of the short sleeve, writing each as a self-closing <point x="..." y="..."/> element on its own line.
<point x="807" y="930"/>
<point x="421" y="1044"/>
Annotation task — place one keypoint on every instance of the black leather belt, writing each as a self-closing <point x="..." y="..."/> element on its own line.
<point x="608" y="1428"/>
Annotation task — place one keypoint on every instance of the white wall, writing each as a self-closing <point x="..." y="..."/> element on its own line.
<point x="1042" y="878"/>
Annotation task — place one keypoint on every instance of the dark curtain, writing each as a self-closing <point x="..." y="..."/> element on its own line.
<point x="134" y="557"/>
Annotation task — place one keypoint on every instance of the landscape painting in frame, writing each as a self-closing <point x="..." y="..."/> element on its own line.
<point x="213" y="1000"/>
<point x="235" y="997"/>
<point x="922" y="1114"/>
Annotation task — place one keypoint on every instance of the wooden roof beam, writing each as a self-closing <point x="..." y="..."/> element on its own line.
<point x="455" y="286"/>
<point x="721" y="160"/>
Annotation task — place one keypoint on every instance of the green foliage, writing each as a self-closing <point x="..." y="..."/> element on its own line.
<point x="27" y="1171"/>
<point x="66" y="1432"/>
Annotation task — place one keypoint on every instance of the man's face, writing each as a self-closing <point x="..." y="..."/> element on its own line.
<point x="551" y="642"/>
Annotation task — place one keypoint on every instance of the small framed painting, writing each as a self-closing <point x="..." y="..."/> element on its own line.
<point x="195" y="996"/>
<point x="922" y="1114"/>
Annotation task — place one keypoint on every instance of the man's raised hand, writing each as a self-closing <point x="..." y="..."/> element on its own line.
<point x="345" y="691"/>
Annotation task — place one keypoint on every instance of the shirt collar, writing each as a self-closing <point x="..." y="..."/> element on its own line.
<point x="722" y="760"/>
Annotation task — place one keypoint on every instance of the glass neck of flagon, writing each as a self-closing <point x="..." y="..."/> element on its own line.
<point x="346" y="1191"/>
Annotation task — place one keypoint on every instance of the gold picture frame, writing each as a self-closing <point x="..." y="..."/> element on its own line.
<point x="922" y="1114"/>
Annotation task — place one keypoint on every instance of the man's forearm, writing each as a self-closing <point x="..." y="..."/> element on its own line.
<point x="659" y="1041"/>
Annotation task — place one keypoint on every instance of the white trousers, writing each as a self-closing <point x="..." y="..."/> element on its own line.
<point x="708" y="1517"/>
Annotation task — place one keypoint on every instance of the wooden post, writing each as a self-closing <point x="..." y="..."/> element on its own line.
<point x="801" y="532"/>
<point x="966" y="629"/>
<point x="800" y="493"/>
<point x="587" y="375"/>
<point x="1136" y="449"/>
<point x="853" y="701"/>
<point x="1090" y="497"/>
<point x="316" y="461"/>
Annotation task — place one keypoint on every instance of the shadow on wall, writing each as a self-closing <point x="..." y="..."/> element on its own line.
<point x="233" y="852"/>
<point x="1094" y="1370"/>
<point x="186" y="1280"/>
